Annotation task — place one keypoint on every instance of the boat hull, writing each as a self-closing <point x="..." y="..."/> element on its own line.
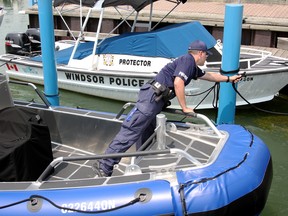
<point x="124" y="86"/>
<point x="244" y="182"/>
<point x="89" y="198"/>
<point x="236" y="183"/>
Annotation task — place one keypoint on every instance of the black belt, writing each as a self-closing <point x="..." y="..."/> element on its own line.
<point x="161" y="91"/>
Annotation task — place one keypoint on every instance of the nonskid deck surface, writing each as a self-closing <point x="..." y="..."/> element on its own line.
<point x="71" y="170"/>
<point x="202" y="150"/>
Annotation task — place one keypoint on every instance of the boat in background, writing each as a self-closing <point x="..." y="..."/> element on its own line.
<point x="116" y="66"/>
<point x="184" y="168"/>
<point x="2" y="13"/>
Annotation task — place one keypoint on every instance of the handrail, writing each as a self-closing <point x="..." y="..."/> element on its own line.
<point x="259" y="54"/>
<point x="175" y="111"/>
<point x="211" y="64"/>
<point x="39" y="93"/>
<point x="199" y="116"/>
<point x="59" y="160"/>
<point x="209" y="122"/>
<point x="125" y="106"/>
<point x="264" y="53"/>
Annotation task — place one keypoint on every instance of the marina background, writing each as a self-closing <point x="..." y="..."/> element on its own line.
<point x="271" y="128"/>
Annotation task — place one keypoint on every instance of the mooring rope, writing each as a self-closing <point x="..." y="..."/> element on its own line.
<point x="215" y="100"/>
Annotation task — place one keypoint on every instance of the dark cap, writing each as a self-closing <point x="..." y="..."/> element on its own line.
<point x="199" y="45"/>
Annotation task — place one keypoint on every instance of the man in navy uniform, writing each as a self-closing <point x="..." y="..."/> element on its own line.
<point x="153" y="97"/>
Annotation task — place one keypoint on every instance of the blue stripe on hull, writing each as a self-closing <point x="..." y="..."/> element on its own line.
<point x="96" y="198"/>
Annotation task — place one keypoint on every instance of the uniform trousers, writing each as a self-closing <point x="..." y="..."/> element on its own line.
<point x="136" y="128"/>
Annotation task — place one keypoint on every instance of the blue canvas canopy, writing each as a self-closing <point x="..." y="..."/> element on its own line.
<point x="169" y="42"/>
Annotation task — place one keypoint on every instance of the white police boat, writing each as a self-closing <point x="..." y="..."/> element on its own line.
<point x="115" y="66"/>
<point x="184" y="168"/>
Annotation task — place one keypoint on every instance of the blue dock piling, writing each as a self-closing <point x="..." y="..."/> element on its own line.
<point x="48" y="56"/>
<point x="230" y="61"/>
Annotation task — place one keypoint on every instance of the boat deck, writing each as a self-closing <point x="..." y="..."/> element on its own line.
<point x="202" y="150"/>
<point x="71" y="170"/>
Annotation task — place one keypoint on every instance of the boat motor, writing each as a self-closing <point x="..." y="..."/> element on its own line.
<point x="17" y="43"/>
<point x="34" y="36"/>
<point x="25" y="44"/>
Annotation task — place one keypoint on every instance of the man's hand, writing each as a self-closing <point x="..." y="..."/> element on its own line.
<point x="235" y="78"/>
<point x="187" y="110"/>
<point x="217" y="77"/>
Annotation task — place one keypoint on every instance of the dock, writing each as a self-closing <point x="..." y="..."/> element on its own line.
<point x="264" y="25"/>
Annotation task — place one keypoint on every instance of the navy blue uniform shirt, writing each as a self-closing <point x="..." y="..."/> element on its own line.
<point x="184" y="67"/>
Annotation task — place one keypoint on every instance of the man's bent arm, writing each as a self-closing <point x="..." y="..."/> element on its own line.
<point x="179" y="87"/>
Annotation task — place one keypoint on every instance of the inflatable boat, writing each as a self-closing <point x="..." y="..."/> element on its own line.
<point x="184" y="168"/>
